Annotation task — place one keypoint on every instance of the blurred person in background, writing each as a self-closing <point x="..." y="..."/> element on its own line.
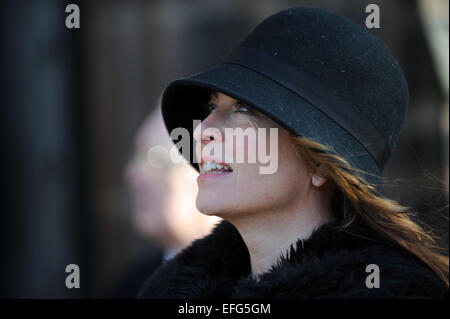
<point x="163" y="197"/>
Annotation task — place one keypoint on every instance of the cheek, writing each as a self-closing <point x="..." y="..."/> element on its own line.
<point x="240" y="145"/>
<point x="256" y="192"/>
<point x="244" y="150"/>
<point x="287" y="184"/>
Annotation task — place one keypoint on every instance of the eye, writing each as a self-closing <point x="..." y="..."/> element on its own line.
<point x="240" y="107"/>
<point x="211" y="108"/>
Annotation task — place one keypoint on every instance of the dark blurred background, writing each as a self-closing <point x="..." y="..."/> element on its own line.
<point x="72" y="100"/>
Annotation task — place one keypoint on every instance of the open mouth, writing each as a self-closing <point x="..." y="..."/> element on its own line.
<point x="215" y="168"/>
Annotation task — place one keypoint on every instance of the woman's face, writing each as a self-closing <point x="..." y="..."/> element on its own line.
<point x="243" y="189"/>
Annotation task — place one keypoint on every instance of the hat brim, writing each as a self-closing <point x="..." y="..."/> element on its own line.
<point x="183" y="101"/>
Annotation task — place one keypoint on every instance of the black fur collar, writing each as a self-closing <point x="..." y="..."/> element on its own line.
<point x="331" y="263"/>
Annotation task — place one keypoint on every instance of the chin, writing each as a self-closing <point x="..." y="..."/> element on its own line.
<point x="209" y="205"/>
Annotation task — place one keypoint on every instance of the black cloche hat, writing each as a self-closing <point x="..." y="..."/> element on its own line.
<point x="316" y="73"/>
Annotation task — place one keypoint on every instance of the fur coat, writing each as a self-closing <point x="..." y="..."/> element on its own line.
<point x="331" y="263"/>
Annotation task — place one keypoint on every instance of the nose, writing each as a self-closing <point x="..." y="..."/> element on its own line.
<point x="210" y="129"/>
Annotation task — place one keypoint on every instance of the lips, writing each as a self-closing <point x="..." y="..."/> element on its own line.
<point x="213" y="166"/>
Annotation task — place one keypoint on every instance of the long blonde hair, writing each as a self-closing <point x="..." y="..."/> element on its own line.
<point x="358" y="199"/>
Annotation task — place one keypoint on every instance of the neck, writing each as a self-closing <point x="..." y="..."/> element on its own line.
<point x="269" y="234"/>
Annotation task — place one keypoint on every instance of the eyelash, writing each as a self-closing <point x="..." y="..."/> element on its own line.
<point x="211" y="107"/>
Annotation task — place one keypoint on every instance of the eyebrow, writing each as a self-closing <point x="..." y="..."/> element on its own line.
<point x="214" y="94"/>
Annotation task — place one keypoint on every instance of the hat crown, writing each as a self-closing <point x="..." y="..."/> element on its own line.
<point x="345" y="59"/>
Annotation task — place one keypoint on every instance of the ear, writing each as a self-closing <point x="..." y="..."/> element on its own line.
<point x="318" y="180"/>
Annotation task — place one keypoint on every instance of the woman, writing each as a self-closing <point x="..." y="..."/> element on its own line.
<point x="319" y="226"/>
